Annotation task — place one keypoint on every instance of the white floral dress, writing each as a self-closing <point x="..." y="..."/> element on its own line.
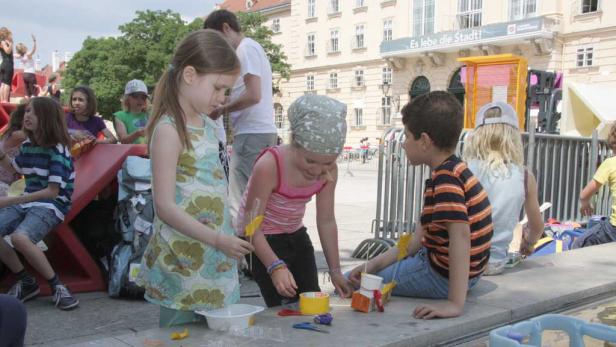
<point x="179" y="272"/>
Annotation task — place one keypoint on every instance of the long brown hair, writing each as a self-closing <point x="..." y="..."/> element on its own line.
<point x="51" y="129"/>
<point x="15" y="122"/>
<point x="207" y="52"/>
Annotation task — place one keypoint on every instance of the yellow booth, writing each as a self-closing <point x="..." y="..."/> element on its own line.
<point x="494" y="78"/>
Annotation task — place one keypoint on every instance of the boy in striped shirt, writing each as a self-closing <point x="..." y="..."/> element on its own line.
<point x="451" y="245"/>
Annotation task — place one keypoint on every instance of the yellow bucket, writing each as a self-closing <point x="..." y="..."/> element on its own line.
<point x="313" y="303"/>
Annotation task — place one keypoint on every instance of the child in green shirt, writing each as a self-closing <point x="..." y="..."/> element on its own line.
<point x="130" y="123"/>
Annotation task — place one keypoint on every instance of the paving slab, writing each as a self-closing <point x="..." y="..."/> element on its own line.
<point x="549" y="283"/>
<point x="538" y="286"/>
<point x="394" y="327"/>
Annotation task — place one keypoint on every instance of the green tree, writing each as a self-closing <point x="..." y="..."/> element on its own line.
<point x="252" y="25"/>
<point x="142" y="51"/>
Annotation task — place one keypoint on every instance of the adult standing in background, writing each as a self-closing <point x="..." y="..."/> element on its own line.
<point x="27" y="62"/>
<point x="250" y="104"/>
<point x="6" y="68"/>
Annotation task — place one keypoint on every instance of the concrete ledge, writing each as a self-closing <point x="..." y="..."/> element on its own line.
<point x="537" y="286"/>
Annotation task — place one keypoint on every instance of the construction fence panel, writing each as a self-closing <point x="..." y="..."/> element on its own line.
<point x="563" y="165"/>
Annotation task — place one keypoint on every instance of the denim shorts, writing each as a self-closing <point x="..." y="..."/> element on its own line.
<point x="416" y="278"/>
<point x="35" y="222"/>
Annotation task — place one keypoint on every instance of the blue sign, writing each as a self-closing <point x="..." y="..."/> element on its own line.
<point x="462" y="37"/>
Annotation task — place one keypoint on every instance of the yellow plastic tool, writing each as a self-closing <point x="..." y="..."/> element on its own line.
<point x="179" y="336"/>
<point x="251" y="227"/>
<point x="403" y="251"/>
<point x="403" y="245"/>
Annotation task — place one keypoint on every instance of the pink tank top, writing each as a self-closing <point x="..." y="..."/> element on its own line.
<point x="284" y="212"/>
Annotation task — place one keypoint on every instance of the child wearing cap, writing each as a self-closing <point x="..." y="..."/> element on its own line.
<point x="132" y="120"/>
<point x="451" y="245"/>
<point x="284" y="180"/>
<point x="494" y="153"/>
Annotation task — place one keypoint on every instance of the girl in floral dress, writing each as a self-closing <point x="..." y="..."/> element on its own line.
<point x="190" y="263"/>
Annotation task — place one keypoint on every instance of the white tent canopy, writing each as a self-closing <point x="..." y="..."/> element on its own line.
<point x="587" y="107"/>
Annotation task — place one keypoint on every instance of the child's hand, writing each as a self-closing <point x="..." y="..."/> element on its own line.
<point x="284" y="282"/>
<point x="343" y="286"/>
<point x="439" y="310"/>
<point x="586" y="208"/>
<point x="233" y="247"/>
<point x="355" y="275"/>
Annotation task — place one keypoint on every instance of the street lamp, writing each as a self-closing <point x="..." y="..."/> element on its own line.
<point x="385" y="87"/>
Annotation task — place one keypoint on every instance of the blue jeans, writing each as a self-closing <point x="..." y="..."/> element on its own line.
<point x="35" y="221"/>
<point x="416" y="278"/>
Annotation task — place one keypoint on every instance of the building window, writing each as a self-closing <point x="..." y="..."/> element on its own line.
<point x="420" y="86"/>
<point x="276" y="25"/>
<point x="359" y="78"/>
<point x="359" y="117"/>
<point x="310" y="83"/>
<point x="360" y="3"/>
<point x="333" y="41"/>
<point x="312" y="9"/>
<point x="423" y="17"/>
<point x="386" y="110"/>
<point x="334" y="6"/>
<point x="388" y="28"/>
<point x="584" y="57"/>
<point x="310" y="45"/>
<point x="333" y="80"/>
<point x="278" y="116"/>
<point x="520" y="9"/>
<point x="386" y="75"/>
<point x="359" y="36"/>
<point x="589" y="6"/>
<point x="469" y="13"/>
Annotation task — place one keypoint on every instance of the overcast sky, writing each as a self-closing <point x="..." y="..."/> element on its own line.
<point x="63" y="24"/>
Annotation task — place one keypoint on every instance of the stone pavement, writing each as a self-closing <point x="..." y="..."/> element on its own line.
<point x="538" y="285"/>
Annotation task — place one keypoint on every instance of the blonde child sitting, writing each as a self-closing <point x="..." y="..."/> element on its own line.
<point x="494" y="153"/>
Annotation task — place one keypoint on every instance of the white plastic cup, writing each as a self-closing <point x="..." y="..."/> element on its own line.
<point x="371" y="282"/>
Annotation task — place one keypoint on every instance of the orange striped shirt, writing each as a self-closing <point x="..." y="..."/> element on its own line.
<point x="454" y="195"/>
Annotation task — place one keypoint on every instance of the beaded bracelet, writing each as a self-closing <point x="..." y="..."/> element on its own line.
<point x="276" y="264"/>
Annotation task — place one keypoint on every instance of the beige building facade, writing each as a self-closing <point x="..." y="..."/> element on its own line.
<point x="375" y="55"/>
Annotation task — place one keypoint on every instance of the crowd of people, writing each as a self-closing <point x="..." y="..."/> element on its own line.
<point x="471" y="204"/>
<point x="25" y="56"/>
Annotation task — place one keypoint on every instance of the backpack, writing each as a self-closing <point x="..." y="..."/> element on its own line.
<point x="133" y="222"/>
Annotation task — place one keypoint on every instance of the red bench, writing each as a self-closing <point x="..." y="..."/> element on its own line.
<point x="4" y="119"/>
<point x="94" y="171"/>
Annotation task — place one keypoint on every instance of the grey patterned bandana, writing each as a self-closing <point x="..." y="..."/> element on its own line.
<point x="318" y="124"/>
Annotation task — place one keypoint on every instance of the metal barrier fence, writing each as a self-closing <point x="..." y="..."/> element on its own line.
<point x="563" y="165"/>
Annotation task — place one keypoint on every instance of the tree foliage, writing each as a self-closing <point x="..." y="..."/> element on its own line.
<point x="252" y="25"/>
<point x="143" y="50"/>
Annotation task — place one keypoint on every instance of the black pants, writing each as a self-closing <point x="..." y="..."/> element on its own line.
<point x="297" y="252"/>
<point x="12" y="322"/>
<point x="29" y="84"/>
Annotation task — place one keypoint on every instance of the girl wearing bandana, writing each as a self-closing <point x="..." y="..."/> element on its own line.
<point x="284" y="179"/>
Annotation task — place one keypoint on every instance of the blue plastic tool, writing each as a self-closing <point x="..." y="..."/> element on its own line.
<point x="309" y="326"/>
